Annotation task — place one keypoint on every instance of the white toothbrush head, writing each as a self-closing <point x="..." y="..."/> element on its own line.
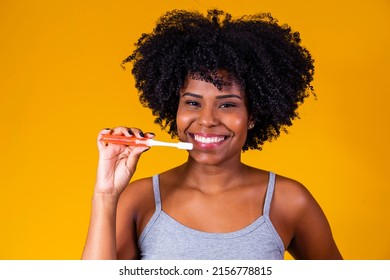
<point x="185" y="146"/>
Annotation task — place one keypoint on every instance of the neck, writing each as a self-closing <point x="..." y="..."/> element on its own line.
<point x="213" y="178"/>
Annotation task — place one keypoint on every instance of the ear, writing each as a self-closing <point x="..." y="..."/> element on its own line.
<point x="251" y="123"/>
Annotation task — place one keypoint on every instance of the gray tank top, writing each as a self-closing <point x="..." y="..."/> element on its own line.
<point x="166" y="238"/>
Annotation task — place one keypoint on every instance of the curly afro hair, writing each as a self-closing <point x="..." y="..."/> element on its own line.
<point x="263" y="57"/>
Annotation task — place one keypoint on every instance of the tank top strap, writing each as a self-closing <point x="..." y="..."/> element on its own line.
<point x="269" y="194"/>
<point x="156" y="191"/>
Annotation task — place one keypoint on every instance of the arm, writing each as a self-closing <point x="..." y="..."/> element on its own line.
<point x="100" y="243"/>
<point x="116" y="166"/>
<point x="312" y="236"/>
<point x="134" y="210"/>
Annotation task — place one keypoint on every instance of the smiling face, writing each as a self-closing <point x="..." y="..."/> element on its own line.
<point x="215" y="121"/>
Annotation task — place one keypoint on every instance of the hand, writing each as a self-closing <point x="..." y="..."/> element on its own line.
<point x="117" y="163"/>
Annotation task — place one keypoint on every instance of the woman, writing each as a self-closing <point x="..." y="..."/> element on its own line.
<point x="225" y="85"/>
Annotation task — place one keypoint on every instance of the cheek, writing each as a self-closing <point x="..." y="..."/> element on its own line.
<point x="239" y="126"/>
<point x="183" y="120"/>
<point x="238" y="123"/>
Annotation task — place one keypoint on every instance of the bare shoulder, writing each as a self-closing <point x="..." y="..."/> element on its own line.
<point x="138" y="188"/>
<point x="293" y="201"/>
<point x="290" y="199"/>
<point x="293" y="195"/>
<point x="137" y="196"/>
<point x="301" y="222"/>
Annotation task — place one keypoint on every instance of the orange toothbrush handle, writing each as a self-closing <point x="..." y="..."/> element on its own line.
<point x="123" y="140"/>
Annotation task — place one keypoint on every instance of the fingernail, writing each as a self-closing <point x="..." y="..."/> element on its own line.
<point x="130" y="132"/>
<point x="141" y="134"/>
<point x="107" y="129"/>
<point x="151" y="133"/>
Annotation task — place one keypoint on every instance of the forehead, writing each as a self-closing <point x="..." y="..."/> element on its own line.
<point x="220" y="84"/>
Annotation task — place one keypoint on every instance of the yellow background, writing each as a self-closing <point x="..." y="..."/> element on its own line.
<point x="61" y="82"/>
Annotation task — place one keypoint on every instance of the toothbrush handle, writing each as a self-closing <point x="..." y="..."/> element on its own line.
<point x="124" y="140"/>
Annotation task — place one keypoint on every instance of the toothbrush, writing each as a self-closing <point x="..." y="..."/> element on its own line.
<point x="134" y="141"/>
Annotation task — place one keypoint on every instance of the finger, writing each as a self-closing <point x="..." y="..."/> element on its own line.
<point x="103" y="132"/>
<point x="150" y="134"/>
<point x="122" y="130"/>
<point x="136" y="132"/>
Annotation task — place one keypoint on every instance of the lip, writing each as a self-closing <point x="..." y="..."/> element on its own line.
<point x="207" y="140"/>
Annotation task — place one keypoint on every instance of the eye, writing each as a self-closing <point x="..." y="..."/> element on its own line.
<point x="192" y="103"/>
<point x="227" y="105"/>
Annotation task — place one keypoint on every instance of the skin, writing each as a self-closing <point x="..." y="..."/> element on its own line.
<point x="197" y="193"/>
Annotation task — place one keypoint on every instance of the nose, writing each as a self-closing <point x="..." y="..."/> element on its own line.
<point x="208" y="117"/>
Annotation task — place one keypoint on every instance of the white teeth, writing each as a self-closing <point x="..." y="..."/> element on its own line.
<point x="208" y="140"/>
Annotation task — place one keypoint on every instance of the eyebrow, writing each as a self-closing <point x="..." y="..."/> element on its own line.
<point x="218" y="96"/>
